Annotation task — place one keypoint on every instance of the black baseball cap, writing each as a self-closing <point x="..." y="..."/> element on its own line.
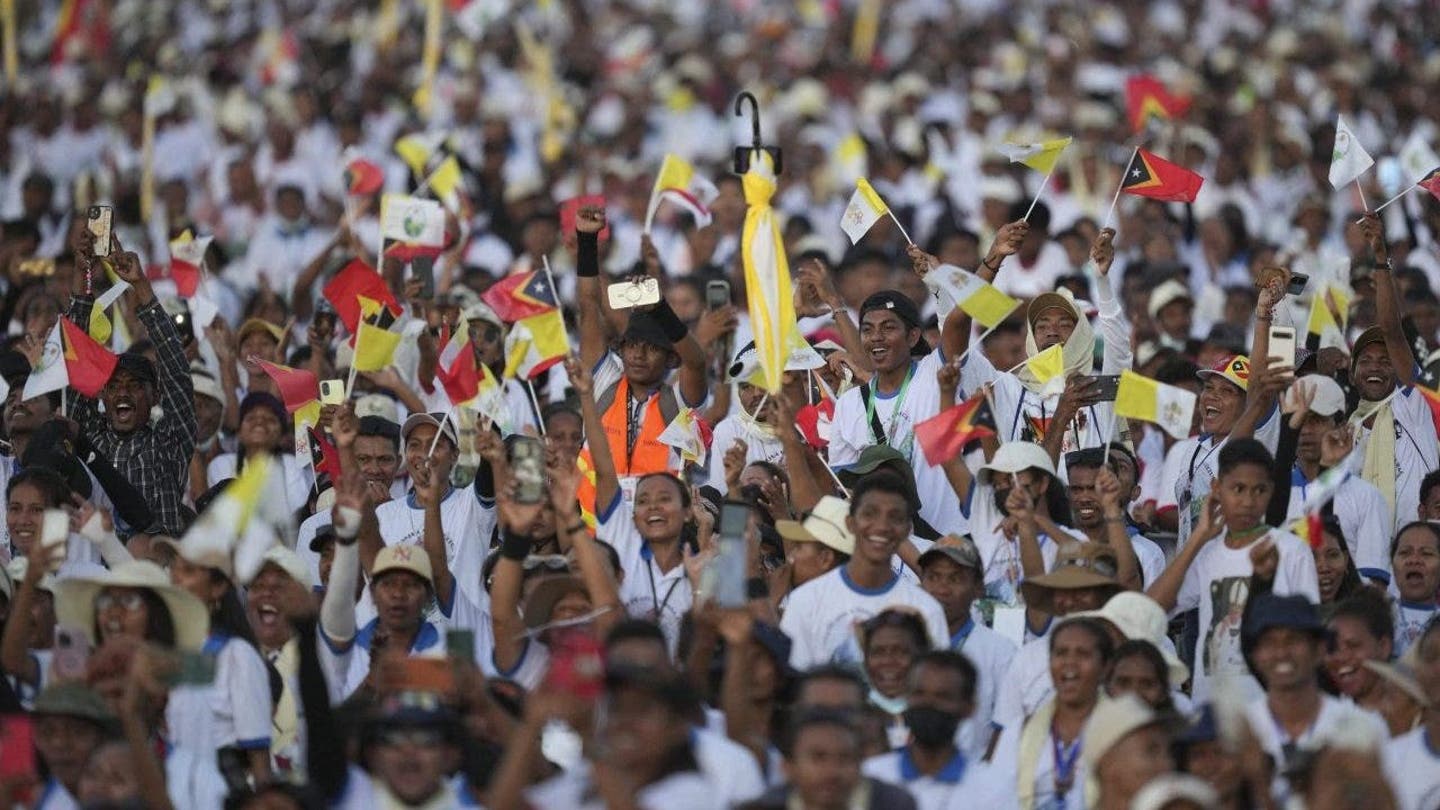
<point x="137" y="365"/>
<point x="904" y="309"/>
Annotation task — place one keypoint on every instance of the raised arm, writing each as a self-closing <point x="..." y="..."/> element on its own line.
<point x="429" y="492"/>
<point x="1113" y="512"/>
<point x="1007" y="242"/>
<point x="800" y="461"/>
<point x="593" y="566"/>
<point x="594" y="338"/>
<point x="176" y="394"/>
<point x="607" y="482"/>
<point x="515" y="545"/>
<point x="337" y="611"/>
<point x="302" y="300"/>
<point x="15" y="655"/>
<point x="1113" y="327"/>
<point x="1387" y="303"/>
<point x="222" y="340"/>
<point x="1165" y="590"/>
<point x="815" y="296"/>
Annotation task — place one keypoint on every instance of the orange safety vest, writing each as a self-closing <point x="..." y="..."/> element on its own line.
<point x="649" y="454"/>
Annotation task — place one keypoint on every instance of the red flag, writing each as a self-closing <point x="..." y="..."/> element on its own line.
<point x="520" y="295"/>
<point x="1431" y="183"/>
<point x="458" y="371"/>
<point x="323" y="455"/>
<point x="363" y="177"/>
<point x="571" y="207"/>
<point x="354" y="280"/>
<point x="298" y="386"/>
<point x="405" y="252"/>
<point x="88" y="363"/>
<point x="945" y="435"/>
<point x="1147" y="96"/>
<point x="1310" y="528"/>
<point x="810" y="420"/>
<point x="1149" y="176"/>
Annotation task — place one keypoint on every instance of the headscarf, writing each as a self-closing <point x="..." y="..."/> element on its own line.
<point x="1079" y="349"/>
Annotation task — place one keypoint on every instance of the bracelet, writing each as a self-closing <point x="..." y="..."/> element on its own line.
<point x="587" y="255"/>
<point x="1114" y="518"/>
<point x="985" y="262"/>
<point x="515" y="546"/>
<point x="757" y="588"/>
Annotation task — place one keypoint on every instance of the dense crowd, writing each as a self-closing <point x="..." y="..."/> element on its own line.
<point x="408" y="405"/>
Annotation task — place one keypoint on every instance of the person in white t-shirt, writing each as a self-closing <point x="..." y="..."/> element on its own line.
<point x="1098" y="504"/>
<point x="821" y="615"/>
<point x="1397" y="428"/>
<point x="752" y="426"/>
<point x="1318" y="406"/>
<point x="1412" y="761"/>
<point x="1284" y="645"/>
<point x="951" y="572"/>
<point x="930" y="765"/>
<point x="1415" y="555"/>
<point x="1213" y="571"/>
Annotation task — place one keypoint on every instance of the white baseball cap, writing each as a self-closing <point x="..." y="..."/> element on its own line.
<point x="1166" y="294"/>
<point x="1012" y="457"/>
<point x="1328" y="399"/>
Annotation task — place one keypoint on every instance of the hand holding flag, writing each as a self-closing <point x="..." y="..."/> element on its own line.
<point x="864" y="210"/>
<point x="1169" y="406"/>
<point x="945" y="435"/>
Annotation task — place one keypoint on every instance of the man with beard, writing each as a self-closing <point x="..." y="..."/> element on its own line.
<point x="1397" y="430"/>
<point x="930" y="766"/>
<point x="153" y="455"/>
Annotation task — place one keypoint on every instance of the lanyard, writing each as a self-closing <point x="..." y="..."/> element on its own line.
<point x="1066" y="758"/>
<point x="634" y="410"/>
<point x="899" y="402"/>
<point x="957" y="641"/>
<point x="655" y="601"/>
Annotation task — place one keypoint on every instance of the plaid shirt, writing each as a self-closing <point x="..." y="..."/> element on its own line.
<point x="155" y="456"/>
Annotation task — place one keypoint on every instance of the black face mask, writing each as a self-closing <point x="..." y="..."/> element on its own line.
<point x="931" y="727"/>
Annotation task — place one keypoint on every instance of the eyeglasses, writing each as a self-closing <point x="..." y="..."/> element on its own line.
<point x="130" y="602"/>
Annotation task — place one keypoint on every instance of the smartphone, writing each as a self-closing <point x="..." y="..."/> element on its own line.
<point x="1282" y="344"/>
<point x="99" y="217"/>
<point x="332" y="392"/>
<point x="577" y="664"/>
<point x="628" y="294"/>
<point x="717" y="294"/>
<point x="460" y="644"/>
<point x="423" y="268"/>
<point x="18" y="765"/>
<point x="72" y="654"/>
<point x="527" y="467"/>
<point x="55" y="529"/>
<point x="325" y="317"/>
<point x="1297" y="284"/>
<point x="1106" y="386"/>
<point x="730" y="561"/>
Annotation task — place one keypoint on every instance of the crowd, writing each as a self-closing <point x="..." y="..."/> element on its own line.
<point x="302" y="513"/>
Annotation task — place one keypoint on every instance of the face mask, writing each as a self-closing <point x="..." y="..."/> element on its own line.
<point x="889" y="705"/>
<point x="931" y="727"/>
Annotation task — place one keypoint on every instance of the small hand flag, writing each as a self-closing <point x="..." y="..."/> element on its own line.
<point x="1348" y="160"/>
<point x="1039" y="156"/>
<point x="1150" y="176"/>
<point x="945" y="435"/>
<point x="865" y="209"/>
<point x="1169" y="406"/>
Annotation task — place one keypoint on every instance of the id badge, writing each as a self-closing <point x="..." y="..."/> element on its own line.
<point x="628" y="485"/>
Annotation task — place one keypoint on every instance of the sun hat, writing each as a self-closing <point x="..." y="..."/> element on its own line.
<point x="74" y="699"/>
<point x="1077" y="566"/>
<point x="1013" y="457"/>
<point x="957" y="549"/>
<point x="1140" y="618"/>
<point x="825" y="524"/>
<point x="1160" y="792"/>
<point x="288" y="562"/>
<point x="1112" y="720"/>
<point x="547" y="593"/>
<point x="1166" y="294"/>
<point x="75" y="601"/>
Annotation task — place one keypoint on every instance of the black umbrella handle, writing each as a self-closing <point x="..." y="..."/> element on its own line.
<point x="743" y="155"/>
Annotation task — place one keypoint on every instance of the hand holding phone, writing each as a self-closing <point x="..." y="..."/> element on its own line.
<point x="730" y="563"/>
<point x="1282" y="345"/>
<point x="527" y="467"/>
<point x="630" y="294"/>
<point x="332" y="392"/>
<point x="98" y="220"/>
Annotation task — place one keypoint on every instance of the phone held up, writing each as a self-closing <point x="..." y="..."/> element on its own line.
<point x="98" y="220"/>
<point x="631" y="294"/>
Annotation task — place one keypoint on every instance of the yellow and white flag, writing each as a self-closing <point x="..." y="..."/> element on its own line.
<point x="1168" y="406"/>
<point x="981" y="301"/>
<point x="1329" y="316"/>
<point x="1040" y="156"/>
<point x="417" y="148"/>
<point x="865" y="209"/>
<point x="678" y="182"/>
<point x="683" y="434"/>
<point x="767" y="272"/>
<point x="447" y="183"/>
<point x="1049" y="369"/>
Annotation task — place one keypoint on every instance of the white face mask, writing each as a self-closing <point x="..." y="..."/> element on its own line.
<point x="889" y="705"/>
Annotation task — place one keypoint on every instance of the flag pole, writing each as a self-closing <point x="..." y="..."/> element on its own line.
<point x="445" y="417"/>
<point x="1363" y="203"/>
<point x="355" y="356"/>
<point x="534" y="400"/>
<point x="1386" y="204"/>
<point x="1110" y="215"/>
<point x="896" y="220"/>
<point x="64" y="402"/>
<point x="1040" y="191"/>
<point x="977" y="341"/>
<point x="550" y="277"/>
<point x="1109" y="437"/>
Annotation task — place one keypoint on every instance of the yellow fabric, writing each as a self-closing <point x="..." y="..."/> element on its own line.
<point x="286" y="720"/>
<point x="374" y="347"/>
<point x="415" y="150"/>
<point x="1033" y="738"/>
<point x="767" y="273"/>
<point x="988" y="306"/>
<point x="533" y="341"/>
<point x="429" y="58"/>
<point x="1379" y="466"/>
<point x="1079" y="351"/>
<point x="871" y="196"/>
<point x="445" y="182"/>
<point x="1042" y="156"/>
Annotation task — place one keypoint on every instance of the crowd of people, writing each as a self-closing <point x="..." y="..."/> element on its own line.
<point x="391" y="590"/>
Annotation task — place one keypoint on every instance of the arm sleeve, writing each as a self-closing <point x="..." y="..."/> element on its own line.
<point x="1114" y="329"/>
<point x="177" y="394"/>
<point x="337" y="611"/>
<point x="130" y="505"/>
<point x="248" y="689"/>
<point x="802" y="656"/>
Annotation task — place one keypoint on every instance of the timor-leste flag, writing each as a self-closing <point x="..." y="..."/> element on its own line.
<point x="1158" y="179"/>
<point x="355" y="281"/>
<point x="520" y="295"/>
<point x="1147" y="97"/>
<point x="1431" y="183"/>
<point x="945" y="435"/>
<point x="88" y="364"/>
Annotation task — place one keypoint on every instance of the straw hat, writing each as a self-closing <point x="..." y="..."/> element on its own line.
<point x="75" y="601"/>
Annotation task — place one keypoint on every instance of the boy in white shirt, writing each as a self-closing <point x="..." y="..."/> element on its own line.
<point x="1215" y="576"/>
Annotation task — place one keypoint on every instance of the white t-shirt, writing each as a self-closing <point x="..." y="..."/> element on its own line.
<point x="646" y="591"/>
<point x="575" y="789"/>
<point x="347" y="664"/>
<point x="192" y="778"/>
<point x="821" y="616"/>
<point x="1412" y="764"/>
<point x="758" y="447"/>
<point x="1410" y="621"/>
<point x="1199" y="463"/>
<point x="1364" y="518"/>
<point x="899" y="413"/>
<point x="234" y="710"/>
<point x="729" y="766"/>
<point x="299" y="479"/>
<point x="1007" y="761"/>
<point x="467" y="525"/>
<point x="1218" y="584"/>
<point x="991" y="653"/>
<point x="999" y="554"/>
<point x="1417" y="452"/>
<point x="963" y="775"/>
<point x="529" y="671"/>
<point x="1334" y="712"/>
<point x="1148" y="554"/>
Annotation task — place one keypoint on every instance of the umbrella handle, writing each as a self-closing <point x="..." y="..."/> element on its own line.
<point x="754" y="113"/>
